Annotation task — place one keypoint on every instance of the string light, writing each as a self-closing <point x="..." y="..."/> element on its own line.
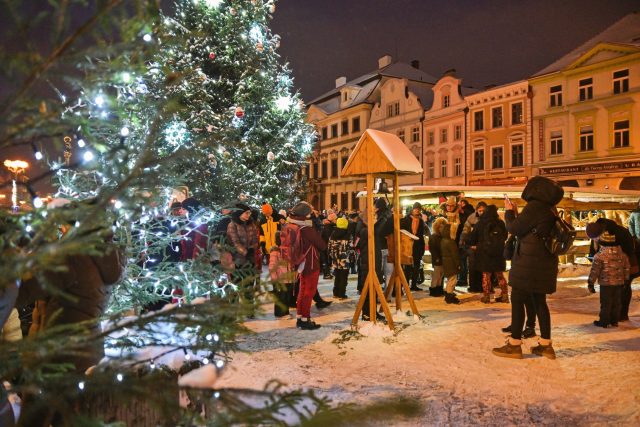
<point x="124" y="131"/>
<point x="81" y="143"/>
<point x="87" y="156"/>
<point x="37" y="202"/>
<point x="219" y="364"/>
<point x="99" y="101"/>
<point x="146" y="37"/>
<point x="81" y="385"/>
<point x="119" y="377"/>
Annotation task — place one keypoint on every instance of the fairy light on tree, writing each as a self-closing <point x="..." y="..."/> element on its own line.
<point x="16" y="167"/>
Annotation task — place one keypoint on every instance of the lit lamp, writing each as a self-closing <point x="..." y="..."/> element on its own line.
<point x="16" y="167"/>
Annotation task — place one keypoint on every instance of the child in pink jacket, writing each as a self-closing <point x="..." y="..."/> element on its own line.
<point x="283" y="279"/>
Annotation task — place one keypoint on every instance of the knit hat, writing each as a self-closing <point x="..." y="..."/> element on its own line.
<point x="342" y="223"/>
<point x="176" y="205"/>
<point x="267" y="210"/>
<point x="451" y="200"/>
<point x="332" y="217"/>
<point x="481" y="204"/>
<point x="353" y="215"/>
<point x="594" y="229"/>
<point x="242" y="207"/>
<point x="607" y="239"/>
<point x="191" y="205"/>
<point x="380" y="203"/>
<point x="417" y="205"/>
<point x="302" y="209"/>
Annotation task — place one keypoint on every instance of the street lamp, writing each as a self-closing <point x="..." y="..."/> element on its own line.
<point x="16" y="167"/>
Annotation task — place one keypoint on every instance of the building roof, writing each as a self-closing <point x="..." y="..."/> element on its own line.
<point x="626" y="31"/>
<point x="329" y="102"/>
<point x="381" y="152"/>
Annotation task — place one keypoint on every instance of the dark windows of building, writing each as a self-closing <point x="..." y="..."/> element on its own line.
<point x="431" y="170"/>
<point x="621" y="81"/>
<point x="457" y="132"/>
<point x="334" y="199"/>
<point x="586" y="138"/>
<point x="324" y="133"/>
<point x="401" y="134"/>
<point x="555" y="96"/>
<point x="344" y="201"/>
<point x="517" y="155"/>
<point x="355" y="124"/>
<point x="315" y="170"/>
<point x="345" y="127"/>
<point x="334" y="168"/>
<point x="393" y="109"/>
<point x="478" y="120"/>
<point x="556" y="142"/>
<point x="621" y="134"/>
<point x="497" y="158"/>
<point x="432" y="138"/>
<point x="585" y="87"/>
<point x="443" y="168"/>
<point x="516" y="113"/>
<point x="478" y="159"/>
<point x="444" y="136"/>
<point x="354" y="201"/>
<point x="345" y="159"/>
<point x="446" y="101"/>
<point x="325" y="174"/>
<point x="496" y="117"/>
<point x="457" y="166"/>
<point x="415" y="134"/>
<point x="334" y="130"/>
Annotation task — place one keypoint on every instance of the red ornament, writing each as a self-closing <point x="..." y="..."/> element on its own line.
<point x="239" y="112"/>
<point x="212" y="56"/>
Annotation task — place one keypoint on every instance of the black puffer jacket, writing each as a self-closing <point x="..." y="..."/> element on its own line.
<point x="488" y="236"/>
<point x="533" y="267"/>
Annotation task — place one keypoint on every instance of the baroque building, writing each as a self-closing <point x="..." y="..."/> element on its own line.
<point x="586" y="111"/>
<point x="391" y="98"/>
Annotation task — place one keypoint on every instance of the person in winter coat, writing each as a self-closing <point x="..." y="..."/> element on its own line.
<point x="452" y="214"/>
<point x="328" y="225"/>
<point x="312" y="246"/>
<point x="283" y="278"/>
<point x="626" y="242"/>
<point x="610" y="268"/>
<point x="243" y="236"/>
<point x="634" y="223"/>
<point x="269" y="226"/>
<point x="437" y="277"/>
<point x="534" y="270"/>
<point x="340" y="252"/>
<point x="474" y="276"/>
<point x="465" y="211"/>
<point x="487" y="241"/>
<point x="450" y="263"/>
<point x="197" y="237"/>
<point x="414" y="224"/>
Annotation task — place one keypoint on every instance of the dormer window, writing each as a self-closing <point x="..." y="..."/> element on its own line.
<point x="446" y="101"/>
<point x="344" y="96"/>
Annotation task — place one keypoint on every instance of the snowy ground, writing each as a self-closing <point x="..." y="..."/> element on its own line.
<point x="444" y="361"/>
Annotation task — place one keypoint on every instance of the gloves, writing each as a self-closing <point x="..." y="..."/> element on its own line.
<point x="592" y="288"/>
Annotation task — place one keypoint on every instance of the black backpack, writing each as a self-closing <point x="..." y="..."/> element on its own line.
<point x="493" y="239"/>
<point x="560" y="238"/>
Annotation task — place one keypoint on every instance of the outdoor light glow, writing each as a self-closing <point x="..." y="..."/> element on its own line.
<point x="126" y="77"/>
<point x="81" y="143"/>
<point x="210" y="3"/>
<point x="37" y="202"/>
<point x="87" y="156"/>
<point x="28" y="229"/>
<point x="219" y="364"/>
<point x="81" y="385"/>
<point x="124" y="131"/>
<point x="283" y="103"/>
<point x="38" y="155"/>
<point x="119" y="377"/>
<point x="118" y="204"/>
<point x="146" y="37"/>
<point x="99" y="101"/>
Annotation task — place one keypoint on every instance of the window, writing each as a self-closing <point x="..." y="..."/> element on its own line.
<point x="478" y="120"/>
<point x="345" y="159"/>
<point x="324" y="133"/>
<point x="556" y="143"/>
<point x="586" y="138"/>
<point x="432" y="172"/>
<point x="354" y="201"/>
<point x="401" y="134"/>
<point x="621" y="81"/>
<point x="443" y="135"/>
<point x="478" y="159"/>
<point x="586" y="89"/>
<point x="344" y="97"/>
<point x="334" y="199"/>
<point x="334" y="168"/>
<point x="496" y="117"/>
<point x="432" y="137"/>
<point x="344" y="201"/>
<point x="355" y="124"/>
<point x="325" y="174"/>
<point x="345" y="127"/>
<point x="621" y="134"/>
<point x="334" y="130"/>
<point x="516" y="113"/>
<point x="443" y="168"/>
<point x="497" y="158"/>
<point x="517" y="155"/>
<point x="457" y="166"/>
<point x="457" y="133"/>
<point x="415" y="134"/>
<point x="315" y="170"/>
<point x="555" y="96"/>
<point x="445" y="101"/>
<point x="393" y="109"/>
<point x="307" y="170"/>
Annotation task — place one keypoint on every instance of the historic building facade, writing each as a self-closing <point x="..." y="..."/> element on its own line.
<point x="498" y="143"/>
<point x="392" y="99"/>
<point x="586" y="111"/>
<point x="445" y="130"/>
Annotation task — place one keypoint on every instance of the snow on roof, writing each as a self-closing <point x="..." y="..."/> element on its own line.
<point x="625" y="31"/>
<point x="424" y="94"/>
<point x="397" y="156"/>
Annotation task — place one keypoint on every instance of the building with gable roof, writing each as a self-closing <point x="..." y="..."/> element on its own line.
<point x="586" y="111"/>
<point x="392" y="98"/>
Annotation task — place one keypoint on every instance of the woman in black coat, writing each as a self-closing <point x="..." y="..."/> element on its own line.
<point x="487" y="241"/>
<point x="534" y="270"/>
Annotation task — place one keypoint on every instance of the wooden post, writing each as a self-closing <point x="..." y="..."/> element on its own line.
<point x="372" y="284"/>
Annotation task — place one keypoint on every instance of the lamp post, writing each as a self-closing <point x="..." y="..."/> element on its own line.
<point x="16" y="167"/>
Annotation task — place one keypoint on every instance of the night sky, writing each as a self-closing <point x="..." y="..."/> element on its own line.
<point x="487" y="42"/>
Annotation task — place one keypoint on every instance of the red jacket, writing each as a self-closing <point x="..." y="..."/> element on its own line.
<point x="312" y="245"/>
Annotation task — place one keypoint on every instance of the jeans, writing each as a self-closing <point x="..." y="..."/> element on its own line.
<point x="308" y="288"/>
<point x="519" y="299"/>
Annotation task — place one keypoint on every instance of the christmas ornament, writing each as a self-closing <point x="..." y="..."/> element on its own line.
<point x="260" y="47"/>
<point x="233" y="11"/>
<point x="239" y="112"/>
<point x="212" y="56"/>
<point x="270" y="156"/>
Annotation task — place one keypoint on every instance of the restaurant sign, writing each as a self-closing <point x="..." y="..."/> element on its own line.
<point x="591" y="168"/>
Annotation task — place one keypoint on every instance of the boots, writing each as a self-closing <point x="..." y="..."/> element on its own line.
<point x="307" y="325"/>
<point x="545" y="349"/>
<point x="436" y="291"/>
<point x="512" y="349"/>
<point x="503" y="298"/>
<point x="486" y="298"/>
<point x="451" y="298"/>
